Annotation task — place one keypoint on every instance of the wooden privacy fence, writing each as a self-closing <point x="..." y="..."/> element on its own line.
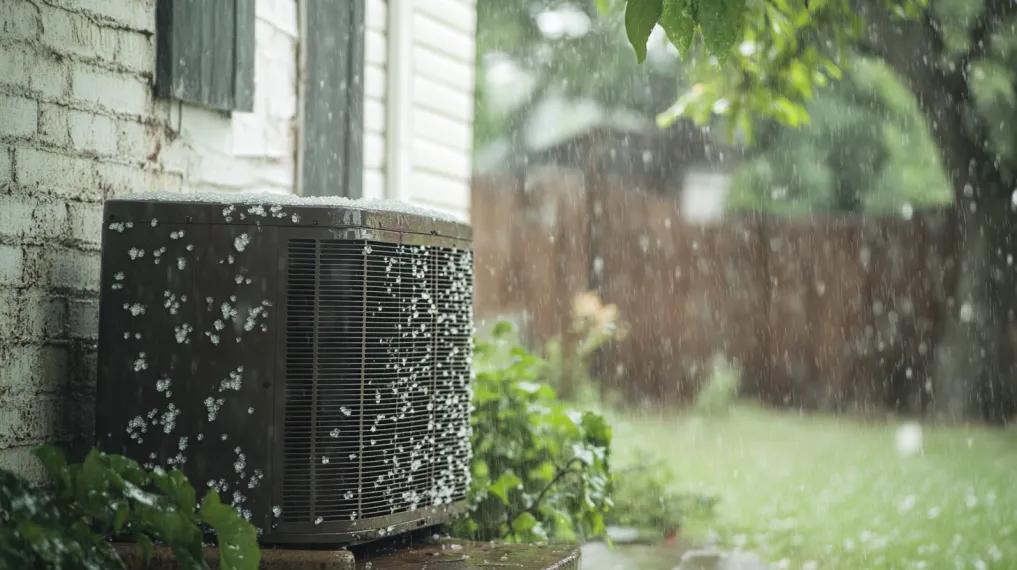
<point x="828" y="312"/>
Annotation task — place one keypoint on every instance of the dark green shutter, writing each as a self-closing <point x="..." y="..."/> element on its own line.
<point x="205" y="52"/>
<point x="332" y="133"/>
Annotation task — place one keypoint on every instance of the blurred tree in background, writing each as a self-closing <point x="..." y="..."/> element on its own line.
<point x="866" y="148"/>
<point x="762" y="60"/>
<point x="547" y="69"/>
<point x="897" y="105"/>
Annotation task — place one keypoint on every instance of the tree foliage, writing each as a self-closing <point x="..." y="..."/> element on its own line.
<point x="67" y="525"/>
<point x="526" y="67"/>
<point x="866" y="149"/>
<point x="760" y="58"/>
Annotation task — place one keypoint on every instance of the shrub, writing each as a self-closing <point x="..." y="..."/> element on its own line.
<point x="645" y="497"/>
<point x="540" y="469"/>
<point x="67" y="524"/>
<point x="721" y="389"/>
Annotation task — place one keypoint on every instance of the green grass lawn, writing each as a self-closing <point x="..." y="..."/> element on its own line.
<point x="818" y="491"/>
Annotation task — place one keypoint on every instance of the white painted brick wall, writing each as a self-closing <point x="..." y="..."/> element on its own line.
<point x="79" y="124"/>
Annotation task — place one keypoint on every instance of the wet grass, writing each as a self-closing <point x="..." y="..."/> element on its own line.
<point x="818" y="491"/>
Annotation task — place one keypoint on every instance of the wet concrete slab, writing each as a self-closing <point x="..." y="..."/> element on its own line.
<point x="444" y="554"/>
<point x="271" y="558"/>
<point x="452" y="554"/>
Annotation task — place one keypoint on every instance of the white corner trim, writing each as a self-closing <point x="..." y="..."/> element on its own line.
<point x="399" y="99"/>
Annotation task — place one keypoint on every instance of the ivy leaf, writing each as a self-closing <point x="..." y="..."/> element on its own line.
<point x="505" y="483"/>
<point x="640" y="17"/>
<point x="679" y="21"/>
<point x="721" y="23"/>
<point x="238" y="541"/>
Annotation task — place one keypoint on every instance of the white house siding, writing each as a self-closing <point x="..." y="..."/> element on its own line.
<point x="375" y="87"/>
<point x="79" y="124"/>
<point x="430" y="103"/>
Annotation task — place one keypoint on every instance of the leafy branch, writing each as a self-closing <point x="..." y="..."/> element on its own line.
<point x="525" y="443"/>
<point x="106" y="496"/>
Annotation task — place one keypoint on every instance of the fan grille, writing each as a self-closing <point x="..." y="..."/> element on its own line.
<point x="378" y="352"/>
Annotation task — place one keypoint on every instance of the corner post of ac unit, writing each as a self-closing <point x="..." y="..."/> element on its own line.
<point x="399" y="99"/>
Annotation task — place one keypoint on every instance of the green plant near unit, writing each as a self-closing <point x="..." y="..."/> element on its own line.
<point x="645" y="496"/>
<point x="68" y="524"/>
<point x="540" y="468"/>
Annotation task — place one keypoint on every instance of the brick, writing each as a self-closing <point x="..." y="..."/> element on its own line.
<point x="91" y="132"/>
<point x="71" y="33"/>
<point x="23" y="67"/>
<point x="75" y="270"/>
<point x="26" y="420"/>
<point x="136" y="51"/>
<point x="18" y="116"/>
<point x="19" y="20"/>
<point x="83" y="319"/>
<point x="133" y="14"/>
<point x="115" y="91"/>
<point x="35" y="369"/>
<point x="22" y="216"/>
<point x="135" y="140"/>
<point x="15" y="215"/>
<point x="85" y="222"/>
<point x="75" y="177"/>
<point x="22" y="461"/>
<point x="11" y="265"/>
<point x="31" y="316"/>
<point x="53" y="125"/>
<point x="5" y="165"/>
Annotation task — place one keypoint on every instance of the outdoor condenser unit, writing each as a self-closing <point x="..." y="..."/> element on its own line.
<point x="308" y="358"/>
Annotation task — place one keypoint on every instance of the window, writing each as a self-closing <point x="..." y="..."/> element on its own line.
<point x="205" y="52"/>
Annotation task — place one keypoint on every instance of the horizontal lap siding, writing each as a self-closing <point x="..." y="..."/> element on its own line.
<point x="375" y="87"/>
<point x="441" y="104"/>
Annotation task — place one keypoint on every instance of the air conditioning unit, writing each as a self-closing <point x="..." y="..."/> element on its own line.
<point x="309" y="358"/>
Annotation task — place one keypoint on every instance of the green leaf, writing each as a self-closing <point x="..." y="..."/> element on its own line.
<point x="147" y="548"/>
<point x="598" y="432"/>
<point x="640" y="17"/>
<point x="53" y="461"/>
<point x="721" y="23"/>
<point x="679" y="21"/>
<point x="238" y="540"/>
<point x="505" y="483"/>
<point x="524" y="523"/>
<point x="176" y="487"/>
<point x="503" y="329"/>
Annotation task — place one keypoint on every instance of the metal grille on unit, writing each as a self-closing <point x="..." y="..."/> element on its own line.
<point x="377" y="365"/>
